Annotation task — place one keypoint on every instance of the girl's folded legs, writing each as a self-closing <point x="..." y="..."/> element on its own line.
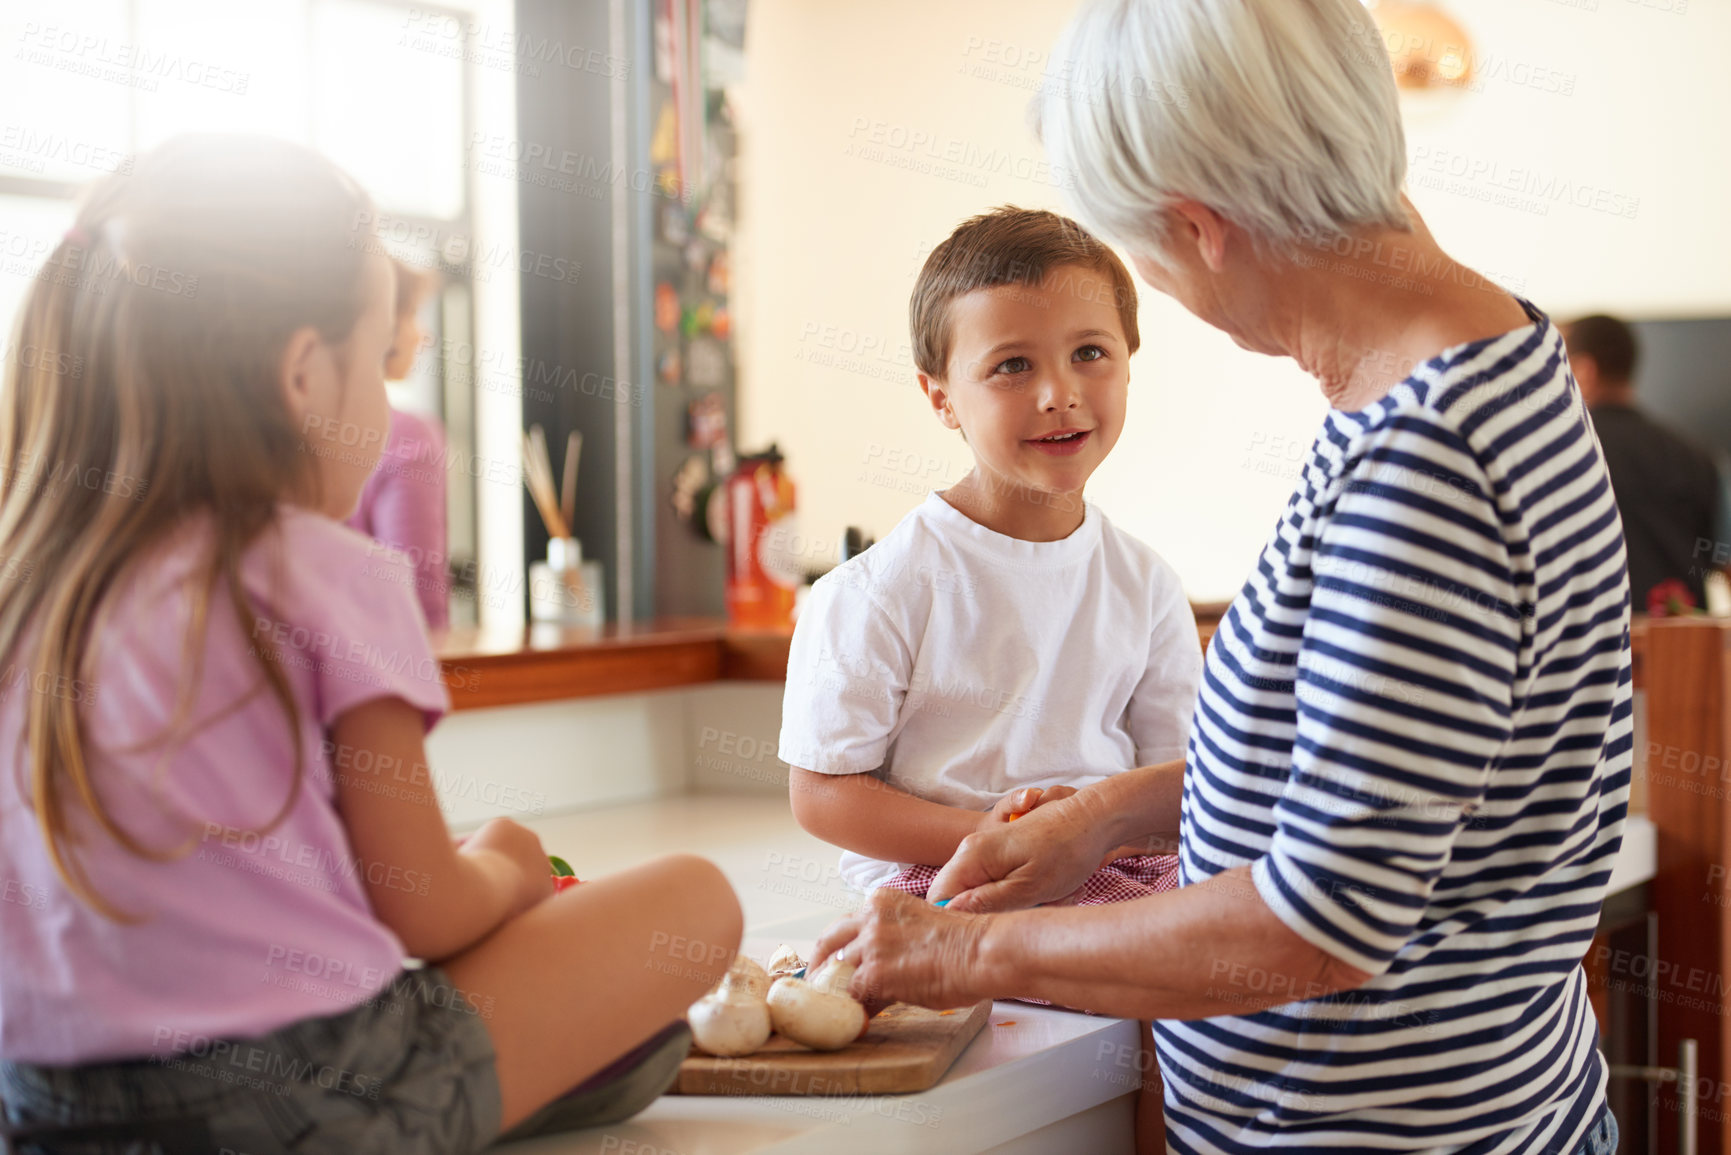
<point x="582" y="978"/>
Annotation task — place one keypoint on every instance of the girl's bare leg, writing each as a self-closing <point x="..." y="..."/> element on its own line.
<point x="1150" y="1100"/>
<point x="595" y="970"/>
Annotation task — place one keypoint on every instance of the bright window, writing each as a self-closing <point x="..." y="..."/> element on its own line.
<point x="87" y="83"/>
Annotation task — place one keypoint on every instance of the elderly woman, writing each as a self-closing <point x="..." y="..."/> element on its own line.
<point x="1408" y="769"/>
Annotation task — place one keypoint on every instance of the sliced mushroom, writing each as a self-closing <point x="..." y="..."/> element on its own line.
<point x="833" y="976"/>
<point x="733" y="1019"/>
<point x="785" y="962"/>
<point x="818" y="1012"/>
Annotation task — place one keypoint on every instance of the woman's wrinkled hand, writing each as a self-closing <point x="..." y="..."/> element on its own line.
<point x="908" y="951"/>
<point x="1129" y="850"/>
<point x="1044" y="857"/>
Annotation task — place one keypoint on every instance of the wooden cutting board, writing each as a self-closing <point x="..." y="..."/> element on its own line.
<point x="907" y="1049"/>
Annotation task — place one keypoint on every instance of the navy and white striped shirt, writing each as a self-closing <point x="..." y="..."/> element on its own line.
<point x="1415" y="723"/>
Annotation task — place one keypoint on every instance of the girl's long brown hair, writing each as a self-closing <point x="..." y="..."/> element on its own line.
<point x="143" y="386"/>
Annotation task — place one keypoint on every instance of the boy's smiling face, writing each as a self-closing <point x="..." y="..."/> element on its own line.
<point x="1036" y="381"/>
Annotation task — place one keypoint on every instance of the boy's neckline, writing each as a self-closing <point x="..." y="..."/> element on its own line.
<point x="1015" y="550"/>
<point x="947" y="497"/>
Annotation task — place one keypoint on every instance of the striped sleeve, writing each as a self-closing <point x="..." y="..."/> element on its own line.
<point x="1404" y="684"/>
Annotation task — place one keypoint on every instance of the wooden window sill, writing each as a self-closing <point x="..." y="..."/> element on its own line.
<point x="546" y="663"/>
<point x="543" y="663"/>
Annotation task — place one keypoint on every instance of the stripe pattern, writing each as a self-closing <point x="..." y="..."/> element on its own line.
<point x="1415" y="724"/>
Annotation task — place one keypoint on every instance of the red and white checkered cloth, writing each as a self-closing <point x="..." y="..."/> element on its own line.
<point x="1119" y="881"/>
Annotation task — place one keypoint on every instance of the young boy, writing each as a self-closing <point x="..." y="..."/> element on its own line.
<point x="1004" y="644"/>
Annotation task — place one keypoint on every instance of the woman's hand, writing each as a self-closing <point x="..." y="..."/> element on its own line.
<point x="908" y="951"/>
<point x="521" y="847"/>
<point x="1130" y="850"/>
<point x="1044" y="857"/>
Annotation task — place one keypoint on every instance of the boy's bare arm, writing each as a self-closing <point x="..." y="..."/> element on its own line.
<point x="865" y="814"/>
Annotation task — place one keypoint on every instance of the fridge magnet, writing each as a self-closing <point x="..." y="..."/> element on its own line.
<point x="666" y="308"/>
<point x="714" y="221"/>
<point x="689" y="481"/>
<point x="664" y="142"/>
<point x="706" y="422"/>
<point x="706" y="364"/>
<point x="675" y="225"/>
<point x="670" y="367"/>
<point x="711" y="523"/>
<point x="697" y="320"/>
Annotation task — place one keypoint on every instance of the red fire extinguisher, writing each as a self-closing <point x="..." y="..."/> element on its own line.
<point x="763" y="571"/>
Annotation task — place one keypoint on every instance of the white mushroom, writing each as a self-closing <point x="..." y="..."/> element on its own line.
<point x="818" y="1013"/>
<point x="833" y="976"/>
<point x="753" y="976"/>
<point x="784" y="962"/>
<point x="733" y="1019"/>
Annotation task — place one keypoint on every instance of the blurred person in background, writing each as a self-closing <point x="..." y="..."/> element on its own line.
<point x="403" y="504"/>
<point x="1667" y="487"/>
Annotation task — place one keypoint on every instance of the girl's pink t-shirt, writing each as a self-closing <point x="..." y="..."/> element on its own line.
<point x="243" y="932"/>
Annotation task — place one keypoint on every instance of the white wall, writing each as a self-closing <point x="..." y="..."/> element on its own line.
<point x="524" y="761"/>
<point x="871" y="127"/>
<point x="550" y="757"/>
<point x="732" y="732"/>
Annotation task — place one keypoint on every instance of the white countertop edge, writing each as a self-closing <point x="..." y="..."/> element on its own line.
<point x="1638" y="858"/>
<point x="975" y="1110"/>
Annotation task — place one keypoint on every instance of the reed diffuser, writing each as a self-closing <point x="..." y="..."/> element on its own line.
<point x="564" y="589"/>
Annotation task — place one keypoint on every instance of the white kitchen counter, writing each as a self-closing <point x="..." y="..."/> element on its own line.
<point x="1638" y="860"/>
<point x="1035" y="1079"/>
<point x="1048" y="1081"/>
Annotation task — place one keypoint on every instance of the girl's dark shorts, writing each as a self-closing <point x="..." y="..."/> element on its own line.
<point x="411" y="1071"/>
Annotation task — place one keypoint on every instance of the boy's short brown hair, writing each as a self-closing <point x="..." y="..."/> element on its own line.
<point x="1007" y="246"/>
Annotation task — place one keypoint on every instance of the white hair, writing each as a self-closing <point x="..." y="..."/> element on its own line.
<point x="1281" y="115"/>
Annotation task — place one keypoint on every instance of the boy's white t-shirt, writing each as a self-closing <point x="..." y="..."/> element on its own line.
<point x="960" y="664"/>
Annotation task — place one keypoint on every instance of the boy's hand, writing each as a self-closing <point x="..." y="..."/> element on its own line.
<point x="522" y="848"/>
<point x="1019" y="802"/>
